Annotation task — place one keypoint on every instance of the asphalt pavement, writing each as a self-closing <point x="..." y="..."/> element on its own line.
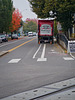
<point x="3" y="52"/>
<point x="29" y="66"/>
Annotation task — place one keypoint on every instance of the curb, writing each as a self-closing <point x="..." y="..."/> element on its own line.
<point x="16" y="39"/>
<point x="64" y="50"/>
<point x="3" y="53"/>
<point x="43" y="91"/>
<point x="59" y="46"/>
<point x="21" y="37"/>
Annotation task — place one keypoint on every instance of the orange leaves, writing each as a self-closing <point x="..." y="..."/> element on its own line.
<point x="16" y="19"/>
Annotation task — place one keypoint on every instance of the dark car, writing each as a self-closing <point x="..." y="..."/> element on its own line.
<point x="14" y="36"/>
<point x="4" y="37"/>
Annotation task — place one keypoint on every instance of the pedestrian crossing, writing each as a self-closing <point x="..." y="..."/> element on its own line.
<point x="14" y="61"/>
<point x="68" y="58"/>
<point x="42" y="57"/>
<point x="63" y="56"/>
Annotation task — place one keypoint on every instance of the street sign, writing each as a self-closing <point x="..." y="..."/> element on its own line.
<point x="59" y="26"/>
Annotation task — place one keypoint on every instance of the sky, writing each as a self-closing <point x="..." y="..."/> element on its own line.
<point x="24" y="8"/>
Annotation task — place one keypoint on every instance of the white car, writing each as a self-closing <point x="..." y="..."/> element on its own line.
<point x="30" y="33"/>
<point x="34" y="33"/>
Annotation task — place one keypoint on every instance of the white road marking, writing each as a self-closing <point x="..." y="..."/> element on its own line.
<point x="68" y="58"/>
<point x="37" y="51"/>
<point x="55" y="52"/>
<point x="42" y="59"/>
<point x="52" y="50"/>
<point x="43" y="54"/>
<point x="14" y="61"/>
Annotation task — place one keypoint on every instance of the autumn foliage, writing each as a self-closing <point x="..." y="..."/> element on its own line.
<point x="16" y="19"/>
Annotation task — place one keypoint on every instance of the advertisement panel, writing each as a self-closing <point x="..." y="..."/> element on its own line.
<point x="71" y="46"/>
<point x="45" y="29"/>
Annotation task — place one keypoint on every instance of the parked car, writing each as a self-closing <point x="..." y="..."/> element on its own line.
<point x="4" y="37"/>
<point x="0" y="40"/>
<point x="34" y="33"/>
<point x="14" y="36"/>
<point x="30" y="33"/>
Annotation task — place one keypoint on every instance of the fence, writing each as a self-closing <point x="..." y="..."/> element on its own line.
<point x="62" y="40"/>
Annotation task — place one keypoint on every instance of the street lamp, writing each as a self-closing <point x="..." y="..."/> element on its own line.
<point x="51" y="13"/>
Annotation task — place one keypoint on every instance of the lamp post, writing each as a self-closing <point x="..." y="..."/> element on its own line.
<point x="51" y="13"/>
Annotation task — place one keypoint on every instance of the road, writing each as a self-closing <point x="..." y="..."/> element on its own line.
<point x="30" y="65"/>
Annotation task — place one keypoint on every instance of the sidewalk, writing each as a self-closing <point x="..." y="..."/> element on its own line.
<point x="49" y="92"/>
<point x="64" y="95"/>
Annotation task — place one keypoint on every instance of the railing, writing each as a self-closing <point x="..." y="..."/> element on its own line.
<point x="62" y="40"/>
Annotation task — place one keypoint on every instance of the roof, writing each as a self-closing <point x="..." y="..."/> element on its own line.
<point x="46" y="18"/>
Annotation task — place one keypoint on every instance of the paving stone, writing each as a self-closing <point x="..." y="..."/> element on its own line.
<point x="65" y="95"/>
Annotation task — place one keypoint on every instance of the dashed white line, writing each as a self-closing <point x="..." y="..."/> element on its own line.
<point x="52" y="50"/>
<point x="68" y="58"/>
<point x="14" y="61"/>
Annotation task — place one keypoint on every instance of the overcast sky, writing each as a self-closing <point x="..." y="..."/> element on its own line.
<point x="24" y="8"/>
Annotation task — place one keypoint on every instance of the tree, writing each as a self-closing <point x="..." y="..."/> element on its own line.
<point x="16" y="21"/>
<point x="63" y="9"/>
<point x="34" y="20"/>
<point x="37" y="7"/>
<point x="30" y="26"/>
<point x="65" y="12"/>
<point x="5" y="15"/>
